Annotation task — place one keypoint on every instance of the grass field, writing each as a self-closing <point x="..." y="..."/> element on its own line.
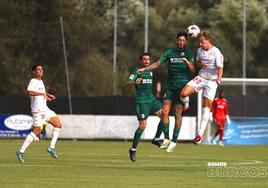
<point x="107" y="164"/>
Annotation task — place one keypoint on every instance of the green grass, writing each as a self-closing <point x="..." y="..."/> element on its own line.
<point x="107" y="164"/>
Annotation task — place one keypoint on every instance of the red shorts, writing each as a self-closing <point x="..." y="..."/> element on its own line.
<point x="220" y="121"/>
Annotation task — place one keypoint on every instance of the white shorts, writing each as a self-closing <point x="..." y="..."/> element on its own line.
<point x="209" y="86"/>
<point x="40" y="119"/>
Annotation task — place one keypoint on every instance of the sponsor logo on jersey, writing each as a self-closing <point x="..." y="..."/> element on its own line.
<point x="147" y="81"/>
<point x="175" y="60"/>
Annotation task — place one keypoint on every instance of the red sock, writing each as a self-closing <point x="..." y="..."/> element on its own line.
<point x="217" y="132"/>
<point x="221" y="134"/>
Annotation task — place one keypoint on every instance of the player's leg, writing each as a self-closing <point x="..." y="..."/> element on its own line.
<point x="209" y="91"/>
<point x="33" y="135"/>
<point x="56" y="123"/>
<point x="157" y="110"/>
<point x="142" y="111"/>
<point x="136" y="139"/>
<point x="190" y="88"/>
<point x="165" y="118"/>
<point x="178" y="121"/>
<point x="216" y="134"/>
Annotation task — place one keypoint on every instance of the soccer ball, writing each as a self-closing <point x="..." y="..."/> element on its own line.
<point x="192" y="30"/>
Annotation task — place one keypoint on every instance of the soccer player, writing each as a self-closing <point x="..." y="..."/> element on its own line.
<point x="180" y="65"/>
<point x="146" y="103"/>
<point x="42" y="115"/>
<point x="210" y="60"/>
<point x="219" y="113"/>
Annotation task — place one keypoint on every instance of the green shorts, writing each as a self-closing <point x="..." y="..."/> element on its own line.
<point x="143" y="110"/>
<point x="173" y="95"/>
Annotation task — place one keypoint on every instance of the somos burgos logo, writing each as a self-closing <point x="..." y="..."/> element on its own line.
<point x="19" y="122"/>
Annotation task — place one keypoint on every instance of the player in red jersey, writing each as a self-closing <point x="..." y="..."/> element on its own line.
<point x="219" y="113"/>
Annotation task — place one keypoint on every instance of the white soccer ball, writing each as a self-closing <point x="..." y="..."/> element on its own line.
<point x="192" y="30"/>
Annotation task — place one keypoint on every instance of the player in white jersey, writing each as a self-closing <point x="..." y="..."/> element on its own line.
<point x="42" y="115"/>
<point x="210" y="61"/>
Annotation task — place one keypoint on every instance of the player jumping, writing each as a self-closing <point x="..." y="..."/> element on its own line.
<point x="180" y="65"/>
<point x="210" y="61"/>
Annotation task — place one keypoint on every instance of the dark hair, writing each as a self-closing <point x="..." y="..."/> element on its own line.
<point x="180" y="34"/>
<point x="35" y="66"/>
<point x="145" y="54"/>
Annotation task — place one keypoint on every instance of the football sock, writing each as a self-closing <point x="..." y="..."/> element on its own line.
<point x="165" y="129"/>
<point x="221" y="134"/>
<point x="204" y="120"/>
<point x="137" y="137"/>
<point x="55" y="135"/>
<point x="176" y="132"/>
<point x="28" y="140"/>
<point x="216" y="134"/>
<point x="159" y="129"/>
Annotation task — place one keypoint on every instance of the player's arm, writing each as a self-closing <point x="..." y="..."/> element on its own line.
<point x="51" y="97"/>
<point x="227" y="114"/>
<point x="153" y="66"/>
<point x="189" y="64"/>
<point x="220" y="72"/>
<point x="47" y="96"/>
<point x="219" y="63"/>
<point x="133" y="79"/>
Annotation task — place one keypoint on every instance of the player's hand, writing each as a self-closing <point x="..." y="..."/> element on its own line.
<point x="210" y="117"/>
<point x="184" y="59"/>
<point x="228" y="120"/>
<point x="218" y="82"/>
<point x="139" y="71"/>
<point x="138" y="80"/>
<point x="201" y="64"/>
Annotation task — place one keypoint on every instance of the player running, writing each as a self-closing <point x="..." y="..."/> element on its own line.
<point x="210" y="61"/>
<point x="146" y="103"/>
<point x="42" y="115"/>
<point x="219" y="113"/>
<point x="180" y="65"/>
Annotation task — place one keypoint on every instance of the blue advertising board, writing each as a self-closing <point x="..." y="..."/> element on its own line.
<point x="15" y="125"/>
<point x="247" y="131"/>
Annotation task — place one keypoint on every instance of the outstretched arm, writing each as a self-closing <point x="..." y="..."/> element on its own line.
<point x="150" y="67"/>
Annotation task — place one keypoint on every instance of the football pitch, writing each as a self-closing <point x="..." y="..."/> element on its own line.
<point x="106" y="164"/>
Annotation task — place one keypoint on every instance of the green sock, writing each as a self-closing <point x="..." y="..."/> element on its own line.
<point x="165" y="129"/>
<point x="176" y="132"/>
<point x="159" y="129"/>
<point x="137" y="137"/>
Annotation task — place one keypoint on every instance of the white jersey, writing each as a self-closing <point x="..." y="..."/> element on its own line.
<point x="38" y="103"/>
<point x="213" y="58"/>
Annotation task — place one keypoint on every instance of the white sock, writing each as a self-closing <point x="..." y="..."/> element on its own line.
<point x="185" y="101"/>
<point x="28" y="140"/>
<point x="204" y="120"/>
<point x="55" y="135"/>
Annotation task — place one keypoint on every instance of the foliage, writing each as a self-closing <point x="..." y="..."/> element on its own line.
<point x="31" y="33"/>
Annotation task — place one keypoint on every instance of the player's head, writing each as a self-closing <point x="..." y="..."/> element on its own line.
<point x="181" y="39"/>
<point x="205" y="40"/>
<point x="221" y="94"/>
<point x="145" y="59"/>
<point x="37" y="70"/>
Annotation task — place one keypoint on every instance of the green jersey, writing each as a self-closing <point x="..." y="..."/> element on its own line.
<point x="144" y="88"/>
<point x="178" y="73"/>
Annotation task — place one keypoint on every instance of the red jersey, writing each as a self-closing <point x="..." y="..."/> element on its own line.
<point x="219" y="108"/>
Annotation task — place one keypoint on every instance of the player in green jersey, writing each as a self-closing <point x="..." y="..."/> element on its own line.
<point x="180" y="66"/>
<point x="146" y="103"/>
